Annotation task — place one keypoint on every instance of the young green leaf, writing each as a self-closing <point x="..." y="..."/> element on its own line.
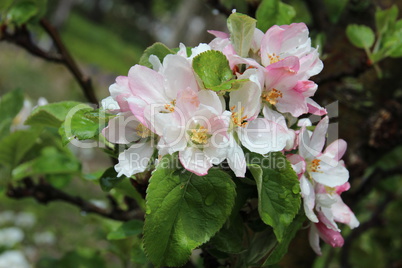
<point x="50" y="161"/>
<point x="109" y="179"/>
<point x="157" y="49"/>
<point x="10" y="105"/>
<point x="241" y="28"/>
<point x="126" y="229"/>
<point x="22" y="12"/>
<point x="360" y="36"/>
<point x="184" y="211"/>
<point x="335" y="8"/>
<point x="273" y="12"/>
<point x="278" y="192"/>
<point x="51" y="115"/>
<point x="385" y="19"/>
<point x="14" y="146"/>
<point x="213" y="69"/>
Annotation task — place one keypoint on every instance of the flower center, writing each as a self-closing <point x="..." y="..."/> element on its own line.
<point x="169" y="107"/>
<point x="314" y="166"/>
<point x="273" y="58"/>
<point x="199" y="135"/>
<point x="142" y="131"/>
<point x="238" y="118"/>
<point x="272" y="96"/>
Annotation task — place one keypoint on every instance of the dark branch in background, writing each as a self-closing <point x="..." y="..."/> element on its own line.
<point x="45" y="193"/>
<point x="22" y="37"/>
<point x="216" y="4"/>
<point x="319" y="14"/>
<point x="375" y="221"/>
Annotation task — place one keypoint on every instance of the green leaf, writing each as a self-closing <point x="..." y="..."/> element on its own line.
<point x="392" y="43"/>
<point x="385" y="19"/>
<point x="230" y="85"/>
<point x="10" y="105"/>
<point x="50" y="161"/>
<point x="360" y="36"/>
<point x="184" y="211"/>
<point x="273" y="12"/>
<point x="83" y="124"/>
<point x="241" y="28"/>
<point x="5" y="4"/>
<point x="280" y="249"/>
<point x="127" y="229"/>
<point x="109" y="179"/>
<point x="230" y="238"/>
<point x="53" y="114"/>
<point x="212" y="67"/>
<point x="157" y="49"/>
<point x="22" y="12"/>
<point x="14" y="146"/>
<point x="278" y="191"/>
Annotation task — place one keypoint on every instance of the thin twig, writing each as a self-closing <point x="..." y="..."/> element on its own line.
<point x="45" y="193"/>
<point x="85" y="82"/>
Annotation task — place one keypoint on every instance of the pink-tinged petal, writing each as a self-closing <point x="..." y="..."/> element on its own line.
<point x="137" y="107"/>
<point x="263" y="136"/>
<point x="315" y="108"/>
<point x="292" y="102"/>
<point x="318" y="137"/>
<point x="122" y="130"/>
<point x="219" y="34"/>
<point x="336" y="149"/>
<point x="310" y="64"/>
<point x="147" y="84"/>
<point x="308" y="194"/>
<point x="186" y="103"/>
<point x="331" y="237"/>
<point x="195" y="160"/>
<point x="330" y="174"/>
<point x="282" y="75"/>
<point x="284" y="41"/>
<point x="307" y="87"/>
<point x="342" y="213"/>
<point x="342" y="188"/>
<point x="178" y="75"/>
<point x="314" y="239"/>
<point x="134" y="160"/>
<point x="236" y="158"/>
<point x="298" y="163"/>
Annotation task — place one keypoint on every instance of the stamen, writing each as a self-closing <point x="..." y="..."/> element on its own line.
<point x="143" y="131"/>
<point x="237" y="117"/>
<point x="314" y="166"/>
<point x="272" y="96"/>
<point x="199" y="135"/>
<point x="273" y="58"/>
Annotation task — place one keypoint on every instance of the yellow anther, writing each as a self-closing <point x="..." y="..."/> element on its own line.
<point x="238" y="118"/>
<point x="272" y="96"/>
<point x="169" y="107"/>
<point x="199" y="135"/>
<point x="273" y="58"/>
<point x="142" y="131"/>
<point x="314" y="166"/>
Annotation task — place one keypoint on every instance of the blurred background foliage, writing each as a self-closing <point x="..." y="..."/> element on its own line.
<point x="108" y="37"/>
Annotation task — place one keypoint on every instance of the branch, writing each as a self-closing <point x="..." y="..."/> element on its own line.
<point x="22" y="37"/>
<point x="85" y="82"/>
<point x="45" y="193"/>
<point x="319" y="14"/>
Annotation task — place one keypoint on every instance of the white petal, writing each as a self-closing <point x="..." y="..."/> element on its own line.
<point x="314" y="239"/>
<point x="134" y="160"/>
<point x="308" y="194"/>
<point x="236" y="159"/>
<point x="195" y="160"/>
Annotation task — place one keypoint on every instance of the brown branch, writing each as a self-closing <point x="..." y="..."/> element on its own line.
<point x="85" y="82"/>
<point x="22" y="37"/>
<point x="45" y="193"/>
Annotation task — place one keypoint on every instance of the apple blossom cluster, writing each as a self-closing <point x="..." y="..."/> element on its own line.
<point x="169" y="109"/>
